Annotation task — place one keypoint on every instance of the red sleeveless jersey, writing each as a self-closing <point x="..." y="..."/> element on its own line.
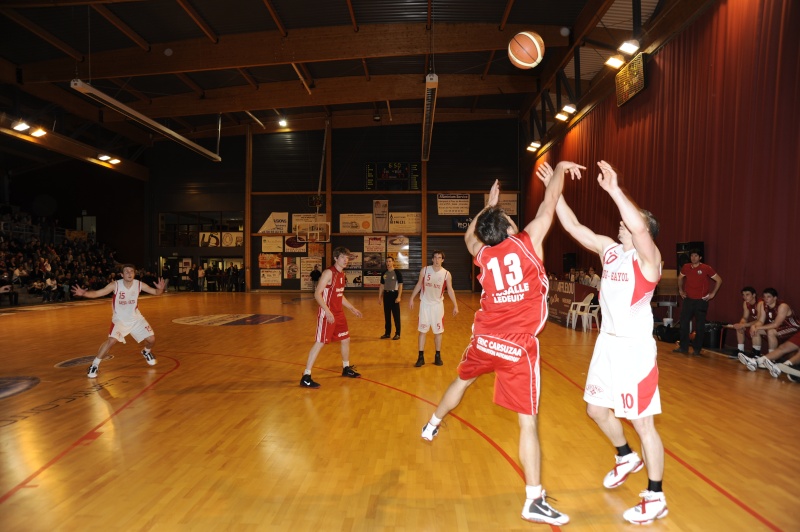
<point x="514" y="281"/>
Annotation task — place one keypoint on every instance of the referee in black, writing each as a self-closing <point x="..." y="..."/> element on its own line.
<point x="389" y="293"/>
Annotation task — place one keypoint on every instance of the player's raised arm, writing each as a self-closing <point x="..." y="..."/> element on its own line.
<point x="470" y="238"/>
<point x="632" y="216"/>
<point x="82" y="292"/>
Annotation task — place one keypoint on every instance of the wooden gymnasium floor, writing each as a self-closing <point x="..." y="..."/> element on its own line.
<point x="219" y="436"/>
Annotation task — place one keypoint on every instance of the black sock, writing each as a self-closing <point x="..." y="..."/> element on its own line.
<point x="421" y="354"/>
<point x="624" y="450"/>
<point x="654" y="485"/>
<point x="438" y="354"/>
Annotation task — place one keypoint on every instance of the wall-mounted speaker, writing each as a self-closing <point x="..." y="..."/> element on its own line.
<point x="569" y="261"/>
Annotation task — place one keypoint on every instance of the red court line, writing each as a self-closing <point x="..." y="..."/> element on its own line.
<point x="690" y="468"/>
<point x="87" y="438"/>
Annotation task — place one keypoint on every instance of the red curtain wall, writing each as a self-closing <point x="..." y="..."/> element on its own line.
<point x="711" y="147"/>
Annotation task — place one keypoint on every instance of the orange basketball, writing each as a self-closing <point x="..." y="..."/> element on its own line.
<point x="526" y="50"/>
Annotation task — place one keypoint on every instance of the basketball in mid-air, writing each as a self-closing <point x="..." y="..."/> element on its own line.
<point x="526" y="50"/>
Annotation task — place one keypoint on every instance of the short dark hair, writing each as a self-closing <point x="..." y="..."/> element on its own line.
<point x="492" y="226"/>
<point x="652" y="224"/>
<point x="749" y="289"/>
<point x="695" y="251"/>
<point x="122" y="268"/>
<point x="771" y="291"/>
<point x="437" y="251"/>
<point x="341" y="250"/>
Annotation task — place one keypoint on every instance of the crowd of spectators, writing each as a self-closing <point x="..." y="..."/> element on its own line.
<point x="47" y="269"/>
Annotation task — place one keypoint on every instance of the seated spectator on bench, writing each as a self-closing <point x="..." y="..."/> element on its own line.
<point x="789" y="353"/>
<point x="751" y="308"/>
<point x="776" y="321"/>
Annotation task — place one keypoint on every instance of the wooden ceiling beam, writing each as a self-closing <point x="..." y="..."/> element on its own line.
<point x="121" y="26"/>
<point x="199" y="20"/>
<point x="349" y="90"/>
<point x="302" y="46"/>
<point x="42" y="34"/>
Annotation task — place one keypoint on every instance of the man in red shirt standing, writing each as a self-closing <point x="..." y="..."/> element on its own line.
<point x="694" y="286"/>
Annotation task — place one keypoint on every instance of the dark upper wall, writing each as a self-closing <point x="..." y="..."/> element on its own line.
<point x="64" y="191"/>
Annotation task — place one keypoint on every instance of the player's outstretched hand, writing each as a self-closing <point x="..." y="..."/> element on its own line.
<point x="544" y="173"/>
<point x="78" y="291"/>
<point x="573" y="169"/>
<point x="161" y="284"/>
<point x="607" y="177"/>
<point x="494" y="194"/>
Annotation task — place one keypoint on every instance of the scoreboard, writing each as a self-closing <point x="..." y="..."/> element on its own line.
<point x="392" y="176"/>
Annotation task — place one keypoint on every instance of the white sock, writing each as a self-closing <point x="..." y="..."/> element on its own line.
<point x="741" y="347"/>
<point x="757" y="348"/>
<point x="533" y="492"/>
<point x="146" y="350"/>
<point x="345" y="363"/>
<point x="435" y="420"/>
<point x="97" y="361"/>
<point x="307" y="372"/>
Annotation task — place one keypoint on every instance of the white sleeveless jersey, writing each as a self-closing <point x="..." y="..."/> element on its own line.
<point x="433" y="285"/>
<point x="126" y="301"/>
<point x="625" y="295"/>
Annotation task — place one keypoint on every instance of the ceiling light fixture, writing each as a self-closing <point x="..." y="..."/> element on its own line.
<point x="282" y="122"/>
<point x="38" y="132"/>
<point x="629" y="47"/>
<point x="114" y="161"/>
<point x="536" y="144"/>
<point x="103" y="157"/>
<point x="106" y="100"/>
<point x="20" y="125"/>
<point x="615" y="61"/>
<point x="569" y="108"/>
<point x="431" y="88"/>
<point x="561" y="116"/>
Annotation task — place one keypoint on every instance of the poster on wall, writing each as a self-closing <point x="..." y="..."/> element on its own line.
<point x="276" y="222"/>
<point x="354" y="260"/>
<point x="270" y="277"/>
<point x="232" y="239"/>
<point x="293" y="245"/>
<point x="507" y="201"/>
<point x="372" y="261"/>
<point x="372" y="279"/>
<point x="380" y="216"/>
<point x="306" y="265"/>
<point x="308" y="218"/>
<point x="405" y="222"/>
<point x="376" y="244"/>
<point x="210" y="239"/>
<point x="354" y="279"/>
<point x="291" y="269"/>
<point x="316" y="250"/>
<point x="273" y="261"/>
<point x="452" y="204"/>
<point x="397" y="243"/>
<point x="400" y="259"/>
<point x="355" y="223"/>
<point x="271" y="244"/>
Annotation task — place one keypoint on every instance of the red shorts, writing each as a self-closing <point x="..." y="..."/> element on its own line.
<point x="787" y="329"/>
<point x="514" y="358"/>
<point x="795" y="339"/>
<point x="331" y="332"/>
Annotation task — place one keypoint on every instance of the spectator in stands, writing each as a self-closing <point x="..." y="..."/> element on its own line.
<point x="594" y="279"/>
<point x="7" y="287"/>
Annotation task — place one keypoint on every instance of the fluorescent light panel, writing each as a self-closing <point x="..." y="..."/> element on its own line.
<point x="106" y="100"/>
<point x="615" y="61"/>
<point x="629" y="47"/>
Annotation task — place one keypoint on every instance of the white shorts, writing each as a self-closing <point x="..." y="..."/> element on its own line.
<point x="139" y="329"/>
<point x="431" y="317"/>
<point x="623" y="375"/>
